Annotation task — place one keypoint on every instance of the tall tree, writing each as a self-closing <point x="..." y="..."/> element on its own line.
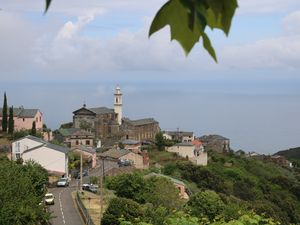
<point x="4" y="114"/>
<point x="160" y="141"/>
<point x="11" y="121"/>
<point x="33" y="129"/>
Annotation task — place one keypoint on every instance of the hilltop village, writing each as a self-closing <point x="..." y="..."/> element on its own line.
<point x="130" y="168"/>
<point x="102" y="132"/>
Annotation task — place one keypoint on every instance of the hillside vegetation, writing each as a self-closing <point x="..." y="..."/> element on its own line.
<point x="292" y="154"/>
<point x="231" y="189"/>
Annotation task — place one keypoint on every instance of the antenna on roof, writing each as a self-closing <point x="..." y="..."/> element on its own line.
<point x="84" y="105"/>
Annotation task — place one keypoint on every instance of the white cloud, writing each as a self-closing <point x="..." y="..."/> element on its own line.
<point x="291" y="23"/>
<point x="266" y="6"/>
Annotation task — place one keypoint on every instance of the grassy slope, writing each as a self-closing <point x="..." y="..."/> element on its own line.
<point x="259" y="185"/>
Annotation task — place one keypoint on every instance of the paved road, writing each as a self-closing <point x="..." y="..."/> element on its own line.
<point x="64" y="210"/>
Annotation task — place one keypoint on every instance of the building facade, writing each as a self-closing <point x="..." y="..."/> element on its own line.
<point x="23" y="118"/>
<point x="107" y="123"/>
<point x="53" y="158"/>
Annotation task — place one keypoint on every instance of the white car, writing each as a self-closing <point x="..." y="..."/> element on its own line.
<point x="62" y="182"/>
<point x="49" y="199"/>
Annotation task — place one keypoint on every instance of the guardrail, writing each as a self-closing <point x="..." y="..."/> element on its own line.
<point x="83" y="211"/>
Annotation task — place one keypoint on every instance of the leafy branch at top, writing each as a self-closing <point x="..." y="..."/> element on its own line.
<point x="188" y="20"/>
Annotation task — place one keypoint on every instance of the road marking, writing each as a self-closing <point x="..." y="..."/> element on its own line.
<point x="60" y="206"/>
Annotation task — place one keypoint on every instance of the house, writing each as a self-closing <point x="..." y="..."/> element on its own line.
<point x="87" y="152"/>
<point x="193" y="152"/>
<point x="215" y="143"/>
<point x="132" y="145"/>
<point x="23" y="118"/>
<point x="53" y="158"/>
<point x="180" y="136"/>
<point x="180" y="185"/>
<point x="124" y="157"/>
<point x="74" y="137"/>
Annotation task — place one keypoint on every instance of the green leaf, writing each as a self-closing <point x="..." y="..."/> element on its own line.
<point x="188" y="19"/>
<point x="207" y="45"/>
<point x="184" y="27"/>
<point x="48" y="2"/>
<point x="220" y="13"/>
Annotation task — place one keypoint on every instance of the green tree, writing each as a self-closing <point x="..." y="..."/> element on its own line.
<point x="22" y="189"/>
<point x="206" y="204"/>
<point x="124" y="208"/>
<point x="160" y="141"/>
<point x="4" y="114"/>
<point x="188" y="20"/>
<point x="11" y="121"/>
<point x="163" y="192"/>
<point x="132" y="186"/>
<point x="33" y="129"/>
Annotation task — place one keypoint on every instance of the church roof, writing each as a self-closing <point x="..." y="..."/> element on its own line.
<point x="142" y="122"/>
<point x="101" y="110"/>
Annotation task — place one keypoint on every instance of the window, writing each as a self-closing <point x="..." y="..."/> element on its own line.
<point x="77" y="142"/>
<point x="40" y="119"/>
<point x="23" y="119"/>
<point x="87" y="142"/>
<point x="18" y="156"/>
<point x="36" y="120"/>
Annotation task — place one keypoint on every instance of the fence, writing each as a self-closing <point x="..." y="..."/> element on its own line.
<point x="84" y="212"/>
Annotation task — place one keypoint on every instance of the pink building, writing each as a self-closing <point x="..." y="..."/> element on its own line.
<point x="23" y="118"/>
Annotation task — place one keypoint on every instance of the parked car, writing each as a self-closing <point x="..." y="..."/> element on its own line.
<point x="62" y="182"/>
<point x="90" y="187"/>
<point x="93" y="188"/>
<point x="49" y="199"/>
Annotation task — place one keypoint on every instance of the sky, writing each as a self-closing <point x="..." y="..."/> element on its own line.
<point x="81" y="50"/>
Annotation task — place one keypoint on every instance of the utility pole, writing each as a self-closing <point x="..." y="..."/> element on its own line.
<point x="101" y="190"/>
<point x="80" y="171"/>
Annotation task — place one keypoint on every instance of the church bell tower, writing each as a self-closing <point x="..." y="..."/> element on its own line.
<point x="118" y="104"/>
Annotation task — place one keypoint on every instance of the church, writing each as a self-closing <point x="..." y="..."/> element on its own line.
<point x="109" y="123"/>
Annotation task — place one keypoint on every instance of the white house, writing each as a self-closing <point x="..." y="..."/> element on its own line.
<point x="193" y="152"/>
<point x="53" y="158"/>
<point x="181" y="136"/>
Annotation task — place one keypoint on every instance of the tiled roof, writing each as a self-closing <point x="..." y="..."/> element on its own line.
<point x="101" y="110"/>
<point x="23" y="113"/>
<point x="85" y="149"/>
<point x="179" y="133"/>
<point x="33" y="138"/>
<point x="142" y="121"/>
<point x="184" y="144"/>
<point x="115" y="153"/>
<point x="130" y="142"/>
<point x="44" y="143"/>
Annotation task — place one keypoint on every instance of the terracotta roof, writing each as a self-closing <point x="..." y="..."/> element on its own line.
<point x="197" y="142"/>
